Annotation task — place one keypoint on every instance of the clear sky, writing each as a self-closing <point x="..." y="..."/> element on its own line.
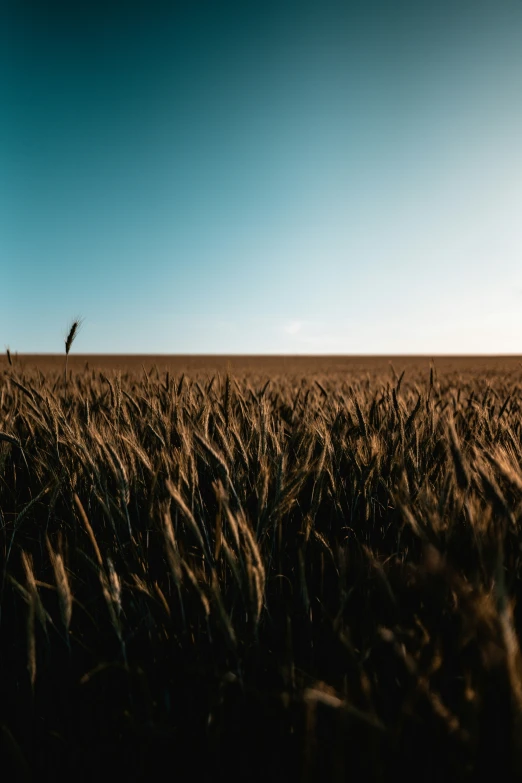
<point x="262" y="177"/>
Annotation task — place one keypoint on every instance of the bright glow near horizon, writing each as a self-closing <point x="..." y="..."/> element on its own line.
<point x="290" y="178"/>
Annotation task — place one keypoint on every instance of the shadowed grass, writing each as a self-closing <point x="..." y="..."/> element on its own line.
<point x="302" y="578"/>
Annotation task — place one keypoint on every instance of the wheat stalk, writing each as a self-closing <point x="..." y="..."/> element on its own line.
<point x="73" y="331"/>
<point x="62" y="586"/>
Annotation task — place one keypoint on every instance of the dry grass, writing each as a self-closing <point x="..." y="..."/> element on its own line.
<point x="312" y="578"/>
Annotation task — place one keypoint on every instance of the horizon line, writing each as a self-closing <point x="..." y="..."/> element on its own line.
<point x="278" y="355"/>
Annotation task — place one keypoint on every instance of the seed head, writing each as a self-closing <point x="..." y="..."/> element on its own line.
<point x="73" y="331"/>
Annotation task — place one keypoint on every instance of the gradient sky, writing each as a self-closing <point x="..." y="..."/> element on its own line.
<point x="268" y="177"/>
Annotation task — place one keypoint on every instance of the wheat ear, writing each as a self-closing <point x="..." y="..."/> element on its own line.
<point x="73" y="331"/>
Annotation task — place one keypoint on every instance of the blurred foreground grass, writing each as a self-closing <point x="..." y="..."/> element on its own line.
<point x="305" y="578"/>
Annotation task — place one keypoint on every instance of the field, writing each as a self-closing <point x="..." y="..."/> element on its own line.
<point x="261" y="568"/>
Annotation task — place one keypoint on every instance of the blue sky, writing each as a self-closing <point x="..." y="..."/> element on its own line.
<point x="276" y="177"/>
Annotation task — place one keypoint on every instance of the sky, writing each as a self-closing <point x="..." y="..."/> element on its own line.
<point x="276" y="177"/>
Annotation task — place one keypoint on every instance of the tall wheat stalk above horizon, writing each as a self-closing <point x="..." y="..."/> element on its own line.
<point x="73" y="331"/>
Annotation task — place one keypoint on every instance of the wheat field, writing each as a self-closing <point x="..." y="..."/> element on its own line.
<point x="249" y="569"/>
